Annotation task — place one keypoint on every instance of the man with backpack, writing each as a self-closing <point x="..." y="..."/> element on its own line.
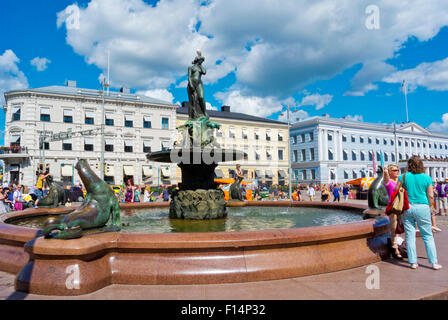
<point x="442" y="191"/>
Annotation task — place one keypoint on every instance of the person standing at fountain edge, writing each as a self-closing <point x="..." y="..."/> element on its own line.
<point x="195" y="88"/>
<point x="420" y="192"/>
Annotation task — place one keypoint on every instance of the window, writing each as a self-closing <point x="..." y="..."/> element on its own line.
<point x="330" y="154"/>
<point x="412" y="144"/>
<point x="345" y="175"/>
<point x="353" y="139"/>
<point x="15" y="141"/>
<point x="400" y="156"/>
<point x="294" y="158"/>
<point x="304" y="174"/>
<point x="355" y="175"/>
<point x="165" y="145"/>
<point x="128" y="146"/>
<point x="303" y="154"/>
<point x="330" y="137"/>
<point x="280" y="137"/>
<point x="344" y="138"/>
<point x="378" y="156"/>
<point x="165" y="123"/>
<point x="361" y="139"/>
<point x="370" y="156"/>
<point x="15" y="113"/>
<point x="128" y="120"/>
<point x="393" y="157"/>
<point x="68" y="116"/>
<point x="88" y="144"/>
<point x="109" y="145"/>
<point x="67" y="146"/>
<point x="280" y="154"/>
<point x="257" y="137"/>
<point x="363" y="156"/>
<point x="377" y="141"/>
<point x="312" y="154"/>
<point x="399" y="143"/>
<point x="89" y="117"/>
<point x="45" y="114"/>
<point x="245" y="135"/>
<point x="311" y="136"/>
<point x="370" y="140"/>
<point x="386" y="157"/>
<point x="344" y="155"/>
<point x="418" y="144"/>
<point x="268" y="135"/>
<point x="392" y="142"/>
<point x="45" y="146"/>
<point x="385" y="142"/>
<point x="232" y="133"/>
<point x="268" y="155"/>
<point x="406" y="143"/>
<point x="146" y="146"/>
<point x="109" y="119"/>
<point x="146" y="122"/>
<point x="353" y="155"/>
<point x="303" y="137"/>
<point x="218" y="133"/>
<point x="363" y="174"/>
<point x="257" y="155"/>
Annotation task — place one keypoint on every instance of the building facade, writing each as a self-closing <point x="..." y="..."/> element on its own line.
<point x="134" y="126"/>
<point x="329" y="150"/>
<point x="265" y="142"/>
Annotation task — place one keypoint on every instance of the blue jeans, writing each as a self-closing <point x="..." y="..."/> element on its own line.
<point x="420" y="214"/>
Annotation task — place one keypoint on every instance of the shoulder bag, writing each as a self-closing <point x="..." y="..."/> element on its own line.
<point x="399" y="200"/>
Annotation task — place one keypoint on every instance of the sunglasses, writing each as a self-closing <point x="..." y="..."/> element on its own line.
<point x="396" y="170"/>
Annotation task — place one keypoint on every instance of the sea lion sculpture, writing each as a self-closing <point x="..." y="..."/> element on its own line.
<point x="95" y="211"/>
<point x="55" y="196"/>
<point x="377" y="194"/>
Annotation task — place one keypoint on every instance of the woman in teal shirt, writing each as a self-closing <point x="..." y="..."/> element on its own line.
<point x="420" y="192"/>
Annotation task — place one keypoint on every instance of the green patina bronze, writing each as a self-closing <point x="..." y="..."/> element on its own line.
<point x="100" y="204"/>
<point x="55" y="196"/>
<point x="377" y="194"/>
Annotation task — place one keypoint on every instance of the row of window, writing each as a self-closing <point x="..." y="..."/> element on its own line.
<point x="301" y="138"/>
<point x="108" y="147"/>
<point x="303" y="154"/>
<point x="89" y="118"/>
<point x="244" y="135"/>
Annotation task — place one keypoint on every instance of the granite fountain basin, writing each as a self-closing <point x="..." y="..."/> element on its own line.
<point x="80" y="266"/>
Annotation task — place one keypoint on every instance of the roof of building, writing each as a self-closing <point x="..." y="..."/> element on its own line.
<point x="410" y="127"/>
<point x="75" y="91"/>
<point x="232" y="116"/>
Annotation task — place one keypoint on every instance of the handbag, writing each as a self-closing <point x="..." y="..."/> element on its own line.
<point x="399" y="200"/>
<point x="400" y="227"/>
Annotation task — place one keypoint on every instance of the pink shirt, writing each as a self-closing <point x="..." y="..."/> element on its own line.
<point x="390" y="186"/>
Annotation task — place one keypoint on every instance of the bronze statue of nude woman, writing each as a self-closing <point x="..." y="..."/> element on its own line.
<point x="195" y="88"/>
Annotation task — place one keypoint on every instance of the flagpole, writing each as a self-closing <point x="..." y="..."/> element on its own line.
<point x="405" y="88"/>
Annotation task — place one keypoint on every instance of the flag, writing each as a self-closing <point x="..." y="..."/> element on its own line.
<point x="404" y="86"/>
<point x="382" y="160"/>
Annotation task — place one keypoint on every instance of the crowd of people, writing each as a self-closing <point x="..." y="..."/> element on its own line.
<point x="131" y="193"/>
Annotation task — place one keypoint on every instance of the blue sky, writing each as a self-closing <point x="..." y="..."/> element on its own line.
<point x="318" y="56"/>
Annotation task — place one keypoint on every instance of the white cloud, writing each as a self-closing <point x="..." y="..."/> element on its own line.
<point x="208" y="106"/>
<point x="254" y="105"/>
<point x="433" y="76"/>
<point x="440" y="126"/>
<point x="294" y="116"/>
<point x="273" y="50"/>
<point x="161" y="94"/>
<point x="40" y="63"/>
<point x="11" y="78"/>
<point x="317" y="100"/>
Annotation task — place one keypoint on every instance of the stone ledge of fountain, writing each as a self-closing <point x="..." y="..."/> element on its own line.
<point x="42" y="265"/>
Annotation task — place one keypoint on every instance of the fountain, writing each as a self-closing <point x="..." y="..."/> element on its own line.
<point x="78" y="253"/>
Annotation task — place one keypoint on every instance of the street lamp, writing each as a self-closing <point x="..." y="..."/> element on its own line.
<point x="104" y="85"/>
<point x="289" y="153"/>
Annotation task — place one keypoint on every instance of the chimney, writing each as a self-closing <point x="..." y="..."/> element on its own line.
<point x="125" y="90"/>
<point x="71" y="83"/>
<point x="326" y="115"/>
<point x="225" y="109"/>
<point x="185" y="104"/>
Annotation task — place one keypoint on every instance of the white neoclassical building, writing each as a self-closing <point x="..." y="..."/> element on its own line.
<point x="330" y="150"/>
<point x="134" y="126"/>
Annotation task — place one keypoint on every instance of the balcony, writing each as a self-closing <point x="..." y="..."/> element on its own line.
<point x="14" y="152"/>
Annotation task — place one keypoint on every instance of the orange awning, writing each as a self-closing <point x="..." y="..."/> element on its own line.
<point x="355" y="182"/>
<point x="230" y="181"/>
